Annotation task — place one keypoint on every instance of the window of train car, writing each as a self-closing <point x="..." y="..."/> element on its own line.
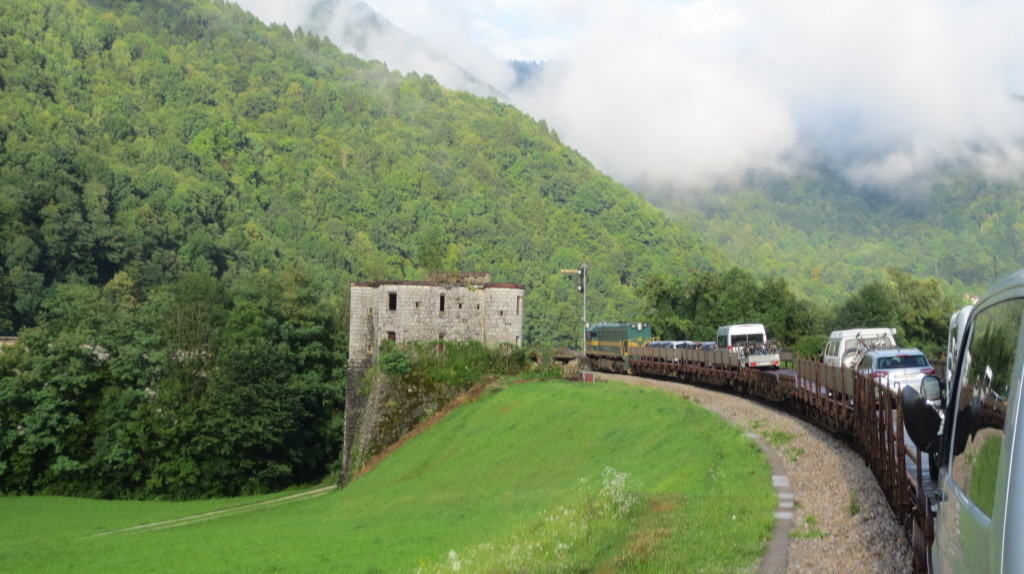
<point x="991" y="359"/>
<point x="832" y="349"/>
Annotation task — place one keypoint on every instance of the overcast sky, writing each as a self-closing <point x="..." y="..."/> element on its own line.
<point x="685" y="93"/>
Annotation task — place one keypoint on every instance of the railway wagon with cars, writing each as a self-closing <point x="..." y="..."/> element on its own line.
<point x="750" y="342"/>
<point x="845" y="401"/>
<point x="846" y="347"/>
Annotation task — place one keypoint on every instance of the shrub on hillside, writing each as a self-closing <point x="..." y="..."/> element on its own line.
<point x="459" y="364"/>
<point x="810" y="346"/>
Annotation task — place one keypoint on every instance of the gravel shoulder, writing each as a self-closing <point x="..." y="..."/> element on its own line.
<point x="842" y="521"/>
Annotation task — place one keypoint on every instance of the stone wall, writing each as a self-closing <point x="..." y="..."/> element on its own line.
<point x="473" y="309"/>
<point x="388" y="409"/>
<point x="490" y="313"/>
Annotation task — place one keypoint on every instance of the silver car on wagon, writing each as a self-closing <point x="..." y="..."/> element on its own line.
<point x="980" y="496"/>
<point x="896" y="368"/>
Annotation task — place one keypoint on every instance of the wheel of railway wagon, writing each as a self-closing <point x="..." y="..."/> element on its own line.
<point x="933" y="466"/>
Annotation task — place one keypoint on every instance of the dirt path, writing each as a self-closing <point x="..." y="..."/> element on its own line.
<point x="230" y="511"/>
<point x="841" y="521"/>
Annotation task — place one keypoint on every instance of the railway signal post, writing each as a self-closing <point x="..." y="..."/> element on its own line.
<point x="581" y="286"/>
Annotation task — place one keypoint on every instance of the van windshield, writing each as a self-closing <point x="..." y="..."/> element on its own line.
<point x="750" y="338"/>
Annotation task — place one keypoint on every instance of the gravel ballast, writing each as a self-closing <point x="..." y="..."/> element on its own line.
<point x="842" y="522"/>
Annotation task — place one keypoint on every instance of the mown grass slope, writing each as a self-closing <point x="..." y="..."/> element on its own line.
<point x="537" y="477"/>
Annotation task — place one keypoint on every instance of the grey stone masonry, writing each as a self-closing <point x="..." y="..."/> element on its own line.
<point x="451" y="307"/>
<point x="461" y="309"/>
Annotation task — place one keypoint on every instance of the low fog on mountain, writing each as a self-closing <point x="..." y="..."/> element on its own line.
<point x="683" y="95"/>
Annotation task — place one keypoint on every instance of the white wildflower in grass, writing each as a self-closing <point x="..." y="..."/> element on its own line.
<point x="565" y="538"/>
<point x="615" y="497"/>
<point x="453" y="561"/>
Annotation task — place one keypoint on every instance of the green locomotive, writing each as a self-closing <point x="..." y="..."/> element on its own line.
<point x="610" y="345"/>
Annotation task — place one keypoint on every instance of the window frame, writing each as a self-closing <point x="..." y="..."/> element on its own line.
<point x="963" y="366"/>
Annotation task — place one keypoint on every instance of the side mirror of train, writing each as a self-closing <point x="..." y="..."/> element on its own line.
<point x="920" y="418"/>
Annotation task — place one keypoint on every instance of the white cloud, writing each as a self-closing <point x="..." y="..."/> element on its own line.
<point x="292" y="13"/>
<point x="685" y="93"/>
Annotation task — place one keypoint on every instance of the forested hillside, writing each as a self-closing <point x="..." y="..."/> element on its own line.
<point x="156" y="138"/>
<point x="185" y="195"/>
<point x="828" y="237"/>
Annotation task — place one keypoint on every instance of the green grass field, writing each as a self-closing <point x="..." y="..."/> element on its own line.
<point x="553" y="477"/>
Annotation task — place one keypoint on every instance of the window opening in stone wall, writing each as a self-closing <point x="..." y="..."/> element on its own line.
<point x="442" y="303"/>
<point x="501" y="313"/>
<point x="417" y="304"/>
<point x="460" y="305"/>
<point x="392" y="336"/>
<point x="519" y="303"/>
<point x="440" y="337"/>
<point x="517" y="340"/>
<point x="477" y="306"/>
<point x="392" y="301"/>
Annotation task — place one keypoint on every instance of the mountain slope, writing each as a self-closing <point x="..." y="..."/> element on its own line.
<point x="828" y="238"/>
<point x="160" y="138"/>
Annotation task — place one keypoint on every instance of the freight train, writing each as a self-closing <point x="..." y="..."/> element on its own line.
<point x="614" y="347"/>
<point x="849" y="404"/>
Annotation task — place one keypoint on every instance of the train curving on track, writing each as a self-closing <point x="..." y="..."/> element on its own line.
<point x="863" y="412"/>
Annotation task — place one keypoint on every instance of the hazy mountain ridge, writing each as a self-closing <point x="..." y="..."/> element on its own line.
<point x="828" y="232"/>
<point x="357" y="28"/>
<point x="829" y="237"/>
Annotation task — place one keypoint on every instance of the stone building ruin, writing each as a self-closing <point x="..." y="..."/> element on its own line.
<point x="448" y="307"/>
<point x="460" y="307"/>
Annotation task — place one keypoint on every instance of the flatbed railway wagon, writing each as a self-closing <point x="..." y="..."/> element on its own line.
<point x="610" y="346"/>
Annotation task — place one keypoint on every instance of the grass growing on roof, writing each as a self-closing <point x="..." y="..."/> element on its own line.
<point x="537" y="477"/>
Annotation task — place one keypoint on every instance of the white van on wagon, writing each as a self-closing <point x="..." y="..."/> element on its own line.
<point x="980" y="499"/>
<point x="845" y="348"/>
<point x="750" y="341"/>
<point x="731" y="336"/>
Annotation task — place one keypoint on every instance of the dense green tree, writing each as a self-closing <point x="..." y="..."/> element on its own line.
<point x="873" y="305"/>
<point x="695" y="308"/>
<point x="916" y="307"/>
<point x="204" y="389"/>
